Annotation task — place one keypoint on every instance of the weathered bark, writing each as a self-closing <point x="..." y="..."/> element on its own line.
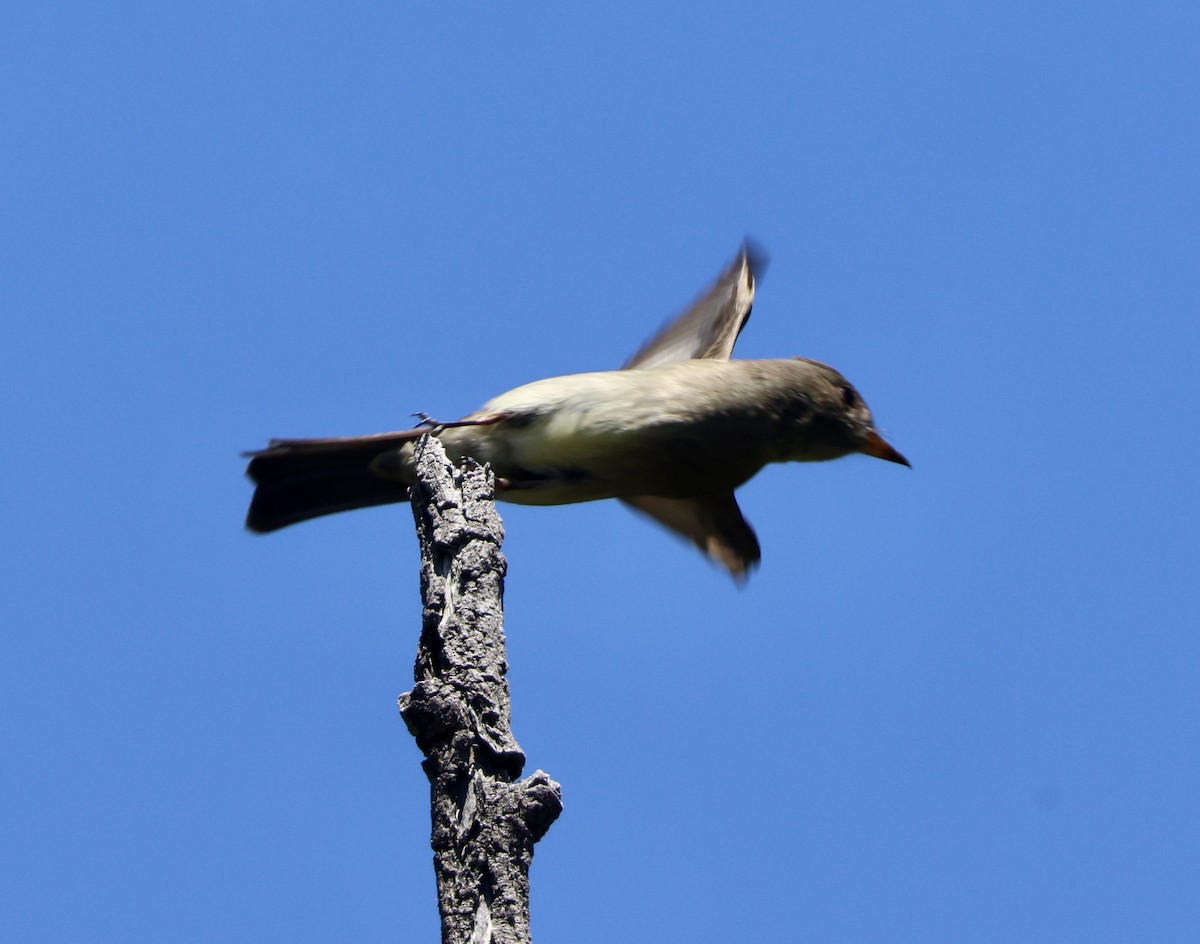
<point x="485" y="822"/>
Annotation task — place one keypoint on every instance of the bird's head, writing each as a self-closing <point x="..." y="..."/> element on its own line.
<point x="841" y="421"/>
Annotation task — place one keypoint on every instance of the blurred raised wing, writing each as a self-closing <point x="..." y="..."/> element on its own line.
<point x="709" y="328"/>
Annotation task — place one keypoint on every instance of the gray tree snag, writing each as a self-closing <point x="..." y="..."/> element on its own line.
<point x="485" y="820"/>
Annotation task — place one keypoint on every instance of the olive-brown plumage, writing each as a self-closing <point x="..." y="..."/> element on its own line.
<point x="673" y="434"/>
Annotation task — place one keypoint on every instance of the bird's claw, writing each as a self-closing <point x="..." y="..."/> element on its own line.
<point x="487" y="419"/>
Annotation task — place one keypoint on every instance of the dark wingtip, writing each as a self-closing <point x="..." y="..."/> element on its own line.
<point x="756" y="257"/>
<point x="257" y="526"/>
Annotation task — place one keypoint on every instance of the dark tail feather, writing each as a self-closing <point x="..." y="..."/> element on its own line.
<point x="299" y="479"/>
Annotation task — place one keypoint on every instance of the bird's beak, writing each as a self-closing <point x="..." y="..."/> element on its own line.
<point x="874" y="445"/>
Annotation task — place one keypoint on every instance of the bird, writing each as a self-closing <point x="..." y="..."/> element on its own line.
<point x="672" y="434"/>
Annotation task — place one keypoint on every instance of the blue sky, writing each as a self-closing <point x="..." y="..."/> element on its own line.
<point x="954" y="704"/>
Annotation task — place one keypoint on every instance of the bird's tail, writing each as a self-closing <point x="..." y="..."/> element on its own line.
<point x="298" y="479"/>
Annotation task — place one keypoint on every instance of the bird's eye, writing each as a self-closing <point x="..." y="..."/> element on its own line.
<point x="850" y="397"/>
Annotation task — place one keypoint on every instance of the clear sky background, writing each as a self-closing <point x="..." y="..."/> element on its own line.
<point x="956" y="704"/>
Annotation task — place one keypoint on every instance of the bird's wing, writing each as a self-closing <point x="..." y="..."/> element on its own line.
<point x="713" y="523"/>
<point x="709" y="328"/>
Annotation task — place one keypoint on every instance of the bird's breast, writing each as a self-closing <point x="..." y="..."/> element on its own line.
<point x="616" y="434"/>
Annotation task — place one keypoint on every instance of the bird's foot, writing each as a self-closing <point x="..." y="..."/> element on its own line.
<point x="486" y="419"/>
